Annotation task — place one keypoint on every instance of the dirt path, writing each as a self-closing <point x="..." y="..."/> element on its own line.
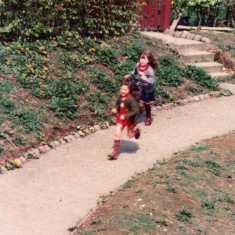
<point x="48" y="196"/>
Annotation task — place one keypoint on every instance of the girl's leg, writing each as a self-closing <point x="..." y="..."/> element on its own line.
<point x="118" y="133"/>
<point x="114" y="154"/>
<point x="148" y="114"/>
<point x="133" y="131"/>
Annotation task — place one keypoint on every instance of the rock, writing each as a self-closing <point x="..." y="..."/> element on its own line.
<point x="178" y="34"/>
<point x="81" y="134"/>
<point x="184" y="34"/>
<point x="198" y="38"/>
<point x="23" y="159"/>
<point x="191" y="36"/>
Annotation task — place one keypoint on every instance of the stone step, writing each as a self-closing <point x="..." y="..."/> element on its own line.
<point x="210" y="67"/>
<point x="221" y="76"/>
<point x="189" y="46"/>
<point x="196" y="56"/>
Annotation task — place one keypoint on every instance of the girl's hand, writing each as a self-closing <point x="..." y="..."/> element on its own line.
<point x="127" y="77"/>
<point x="122" y="117"/>
<point x="114" y="111"/>
<point x="142" y="75"/>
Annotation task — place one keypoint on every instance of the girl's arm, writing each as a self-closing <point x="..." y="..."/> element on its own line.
<point x="132" y="106"/>
<point x="148" y="76"/>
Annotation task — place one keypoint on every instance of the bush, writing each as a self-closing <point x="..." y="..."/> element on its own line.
<point x="169" y="73"/>
<point x="201" y="77"/>
<point x="133" y="50"/>
<point x="102" y="82"/>
<point x="40" y="19"/>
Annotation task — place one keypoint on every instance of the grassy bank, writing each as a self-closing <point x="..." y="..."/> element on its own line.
<point x="192" y="193"/>
<point x="49" y="87"/>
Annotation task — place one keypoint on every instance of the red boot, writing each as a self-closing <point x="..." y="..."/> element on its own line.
<point x="114" y="154"/>
<point x="148" y="121"/>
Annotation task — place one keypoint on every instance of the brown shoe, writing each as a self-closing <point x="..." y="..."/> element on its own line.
<point x="137" y="133"/>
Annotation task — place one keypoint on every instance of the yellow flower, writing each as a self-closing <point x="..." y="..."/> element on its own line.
<point x="44" y="52"/>
<point x="23" y="75"/>
<point x="45" y="68"/>
<point x="7" y="63"/>
<point x="45" y="59"/>
<point x="32" y="70"/>
<point x="41" y="48"/>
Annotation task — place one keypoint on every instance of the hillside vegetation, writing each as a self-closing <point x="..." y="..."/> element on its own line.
<point x="48" y="87"/>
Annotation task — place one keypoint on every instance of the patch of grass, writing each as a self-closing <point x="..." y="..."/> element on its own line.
<point x="225" y="198"/>
<point x="199" y="147"/>
<point x="19" y="141"/>
<point x="171" y="189"/>
<point x="184" y="215"/>
<point x="206" y="201"/>
<point x="139" y="224"/>
<point x="208" y="204"/>
<point x="129" y="183"/>
<point x="201" y="194"/>
<point x="138" y="191"/>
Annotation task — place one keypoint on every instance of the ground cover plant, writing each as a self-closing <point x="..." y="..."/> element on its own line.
<point x="192" y="193"/>
<point x="49" y="87"/>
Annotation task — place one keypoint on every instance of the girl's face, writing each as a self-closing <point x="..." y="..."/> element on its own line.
<point x="143" y="60"/>
<point x="124" y="90"/>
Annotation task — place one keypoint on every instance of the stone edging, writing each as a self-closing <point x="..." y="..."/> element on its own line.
<point x="36" y="153"/>
<point x="187" y="35"/>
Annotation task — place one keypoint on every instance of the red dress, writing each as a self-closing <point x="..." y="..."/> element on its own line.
<point x="126" y="121"/>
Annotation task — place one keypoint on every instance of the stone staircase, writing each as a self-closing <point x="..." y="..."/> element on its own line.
<point x="193" y="52"/>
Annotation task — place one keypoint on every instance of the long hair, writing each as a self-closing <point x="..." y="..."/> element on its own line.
<point x="152" y="61"/>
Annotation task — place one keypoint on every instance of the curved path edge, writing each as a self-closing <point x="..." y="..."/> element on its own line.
<point x="51" y="194"/>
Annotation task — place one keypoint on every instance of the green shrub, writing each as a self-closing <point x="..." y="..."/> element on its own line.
<point x="163" y="95"/>
<point x="199" y="76"/>
<point x="123" y="68"/>
<point x="1" y="150"/>
<point x="107" y="56"/>
<point x="65" y="107"/>
<point x="184" y="215"/>
<point x="102" y="82"/>
<point x="169" y="73"/>
<point x="208" y="204"/>
<point x="7" y="106"/>
<point x="29" y="121"/>
<point x="5" y="86"/>
<point x="132" y="50"/>
<point x="19" y="141"/>
<point x="40" y="19"/>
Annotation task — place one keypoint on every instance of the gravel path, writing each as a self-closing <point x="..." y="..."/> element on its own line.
<point x="51" y="194"/>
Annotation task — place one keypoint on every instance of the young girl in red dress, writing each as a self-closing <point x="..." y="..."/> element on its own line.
<point x="127" y="109"/>
<point x="146" y="81"/>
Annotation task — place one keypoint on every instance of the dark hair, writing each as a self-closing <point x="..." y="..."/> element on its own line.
<point x="134" y="89"/>
<point x="152" y="61"/>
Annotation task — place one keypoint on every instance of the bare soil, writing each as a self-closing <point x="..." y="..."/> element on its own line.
<point x="193" y="193"/>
